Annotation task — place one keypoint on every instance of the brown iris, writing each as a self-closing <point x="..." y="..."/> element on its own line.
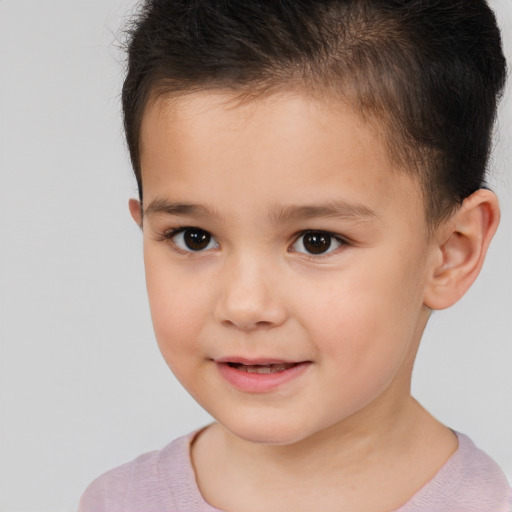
<point x="196" y="239"/>
<point x="316" y="243"/>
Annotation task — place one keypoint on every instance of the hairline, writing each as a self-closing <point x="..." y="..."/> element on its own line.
<point x="379" y="122"/>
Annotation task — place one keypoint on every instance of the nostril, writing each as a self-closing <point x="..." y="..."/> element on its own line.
<point x="247" y="324"/>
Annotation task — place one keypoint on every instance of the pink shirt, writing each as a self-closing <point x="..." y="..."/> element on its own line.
<point x="164" y="481"/>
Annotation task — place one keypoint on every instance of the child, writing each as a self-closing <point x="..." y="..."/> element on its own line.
<point x="311" y="179"/>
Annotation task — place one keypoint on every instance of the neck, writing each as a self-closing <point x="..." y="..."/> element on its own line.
<point x="355" y="463"/>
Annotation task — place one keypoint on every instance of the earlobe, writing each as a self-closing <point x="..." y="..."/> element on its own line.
<point x="461" y="247"/>
<point x="135" y="211"/>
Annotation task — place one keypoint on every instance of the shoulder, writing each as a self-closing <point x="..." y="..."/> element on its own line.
<point x="155" y="481"/>
<point x="470" y="481"/>
<point x="479" y="479"/>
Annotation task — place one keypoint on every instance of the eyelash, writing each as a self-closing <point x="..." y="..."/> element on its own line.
<point x="169" y="235"/>
<point x="343" y="242"/>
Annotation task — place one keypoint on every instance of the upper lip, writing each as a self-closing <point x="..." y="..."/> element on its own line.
<point x="255" y="361"/>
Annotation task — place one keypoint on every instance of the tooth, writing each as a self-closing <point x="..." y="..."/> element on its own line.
<point x="258" y="369"/>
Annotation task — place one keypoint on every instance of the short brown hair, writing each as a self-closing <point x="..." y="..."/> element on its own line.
<point x="430" y="72"/>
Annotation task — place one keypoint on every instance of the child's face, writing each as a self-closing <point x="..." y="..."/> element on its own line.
<point x="302" y="247"/>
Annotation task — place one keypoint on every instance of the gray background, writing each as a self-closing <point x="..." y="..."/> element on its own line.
<point x="82" y="385"/>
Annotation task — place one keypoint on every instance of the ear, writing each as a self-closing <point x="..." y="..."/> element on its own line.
<point x="461" y="245"/>
<point x="135" y="211"/>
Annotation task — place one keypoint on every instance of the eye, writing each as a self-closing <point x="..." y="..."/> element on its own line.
<point x="192" y="239"/>
<point x="317" y="242"/>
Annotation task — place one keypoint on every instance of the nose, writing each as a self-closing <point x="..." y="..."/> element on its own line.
<point x="249" y="298"/>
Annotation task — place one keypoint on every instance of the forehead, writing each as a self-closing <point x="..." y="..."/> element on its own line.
<point x="282" y="148"/>
<point x="255" y="124"/>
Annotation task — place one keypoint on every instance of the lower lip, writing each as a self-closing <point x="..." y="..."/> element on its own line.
<point x="251" y="382"/>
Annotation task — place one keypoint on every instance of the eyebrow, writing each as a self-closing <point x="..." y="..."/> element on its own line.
<point x="332" y="209"/>
<point x="179" y="208"/>
<point x="277" y="215"/>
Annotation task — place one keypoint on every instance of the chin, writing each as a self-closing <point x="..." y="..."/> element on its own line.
<point x="268" y="432"/>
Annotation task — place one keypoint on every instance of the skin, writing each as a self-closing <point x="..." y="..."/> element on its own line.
<point x="259" y="175"/>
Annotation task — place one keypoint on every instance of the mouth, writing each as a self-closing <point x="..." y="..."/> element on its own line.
<point x="262" y="368"/>
<point x="260" y="376"/>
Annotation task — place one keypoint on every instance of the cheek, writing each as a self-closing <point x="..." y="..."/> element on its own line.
<point x="177" y="309"/>
<point x="366" y="319"/>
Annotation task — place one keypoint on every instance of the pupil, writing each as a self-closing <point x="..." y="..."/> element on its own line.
<point x="317" y="243"/>
<point x="196" y="240"/>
